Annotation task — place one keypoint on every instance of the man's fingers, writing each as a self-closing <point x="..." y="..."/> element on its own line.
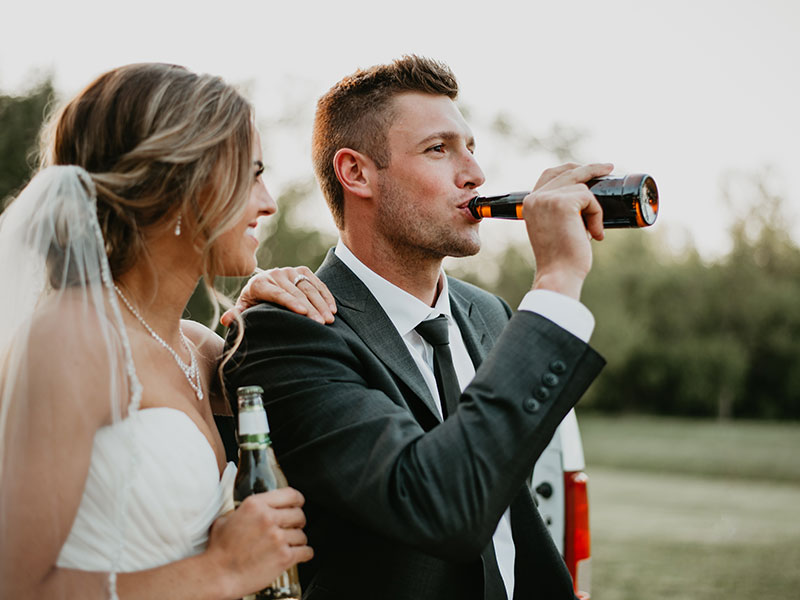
<point x="549" y="174"/>
<point x="593" y="219"/>
<point x="571" y="173"/>
<point x="582" y="174"/>
<point x="587" y="172"/>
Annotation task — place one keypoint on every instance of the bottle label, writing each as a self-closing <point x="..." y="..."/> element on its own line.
<point x="253" y="422"/>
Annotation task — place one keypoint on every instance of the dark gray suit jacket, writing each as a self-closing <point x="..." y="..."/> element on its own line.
<point x="399" y="504"/>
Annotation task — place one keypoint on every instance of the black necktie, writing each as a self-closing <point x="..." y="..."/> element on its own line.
<point x="434" y="331"/>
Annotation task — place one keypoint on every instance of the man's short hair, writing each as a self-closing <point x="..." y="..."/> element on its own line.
<point x="357" y="112"/>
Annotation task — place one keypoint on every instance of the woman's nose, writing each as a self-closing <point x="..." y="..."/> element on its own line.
<point x="266" y="203"/>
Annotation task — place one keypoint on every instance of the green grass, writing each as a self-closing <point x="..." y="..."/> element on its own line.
<point x="741" y="450"/>
<point x="691" y="510"/>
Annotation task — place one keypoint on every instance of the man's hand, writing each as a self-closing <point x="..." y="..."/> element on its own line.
<point x="296" y="288"/>
<point x="562" y="216"/>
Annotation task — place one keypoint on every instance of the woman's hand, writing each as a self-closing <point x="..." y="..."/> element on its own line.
<point x="296" y="288"/>
<point x="254" y="544"/>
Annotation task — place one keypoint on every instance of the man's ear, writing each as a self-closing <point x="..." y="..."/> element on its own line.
<point x="355" y="171"/>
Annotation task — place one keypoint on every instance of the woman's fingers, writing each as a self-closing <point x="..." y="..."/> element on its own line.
<point x="296" y="537"/>
<point x="260" y="539"/>
<point x="301" y="553"/>
<point x="300" y="283"/>
<point x="316" y="293"/>
<point x="296" y="288"/>
<point x="285" y="497"/>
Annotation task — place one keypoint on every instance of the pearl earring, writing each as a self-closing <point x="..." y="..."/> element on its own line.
<point x="178" y="226"/>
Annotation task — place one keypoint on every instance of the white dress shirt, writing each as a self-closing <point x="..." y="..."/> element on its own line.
<point x="406" y="312"/>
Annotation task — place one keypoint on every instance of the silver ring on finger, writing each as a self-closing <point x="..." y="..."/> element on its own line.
<point x="300" y="278"/>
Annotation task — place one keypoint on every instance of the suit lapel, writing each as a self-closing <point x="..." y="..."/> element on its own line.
<point x="477" y="337"/>
<point x="357" y="307"/>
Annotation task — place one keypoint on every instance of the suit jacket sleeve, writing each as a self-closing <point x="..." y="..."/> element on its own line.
<point x="351" y="447"/>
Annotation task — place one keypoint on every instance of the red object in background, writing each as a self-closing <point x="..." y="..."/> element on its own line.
<point x="577" y="540"/>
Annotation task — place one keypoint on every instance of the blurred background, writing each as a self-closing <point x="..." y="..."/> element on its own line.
<point x="692" y="432"/>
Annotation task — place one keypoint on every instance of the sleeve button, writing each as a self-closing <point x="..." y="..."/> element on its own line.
<point x="558" y="367"/>
<point x="550" y="380"/>
<point x="541" y="393"/>
<point x="530" y="405"/>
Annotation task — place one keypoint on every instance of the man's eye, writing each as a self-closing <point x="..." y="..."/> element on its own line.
<point x="436" y="148"/>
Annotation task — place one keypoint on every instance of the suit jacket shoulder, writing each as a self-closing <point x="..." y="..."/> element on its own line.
<point x="493" y="308"/>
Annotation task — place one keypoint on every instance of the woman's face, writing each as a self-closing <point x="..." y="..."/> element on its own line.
<point x="237" y="246"/>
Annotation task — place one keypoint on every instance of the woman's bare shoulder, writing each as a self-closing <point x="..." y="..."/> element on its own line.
<point x="207" y="342"/>
<point x="78" y="359"/>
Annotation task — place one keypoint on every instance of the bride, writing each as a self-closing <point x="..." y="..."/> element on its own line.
<point x="113" y="479"/>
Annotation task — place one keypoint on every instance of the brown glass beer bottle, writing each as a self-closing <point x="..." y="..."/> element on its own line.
<point x="627" y="201"/>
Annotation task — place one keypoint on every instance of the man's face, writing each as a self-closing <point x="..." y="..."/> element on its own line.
<point x="432" y="175"/>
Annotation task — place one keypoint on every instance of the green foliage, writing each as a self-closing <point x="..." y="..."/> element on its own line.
<point x="687" y="338"/>
<point x="295" y="237"/>
<point x="681" y="336"/>
<point x="20" y="120"/>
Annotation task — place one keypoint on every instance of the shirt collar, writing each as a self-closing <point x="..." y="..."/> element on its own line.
<point x="404" y="310"/>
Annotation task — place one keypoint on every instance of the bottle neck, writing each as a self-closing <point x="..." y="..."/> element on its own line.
<point x="253" y="430"/>
<point x="258" y="441"/>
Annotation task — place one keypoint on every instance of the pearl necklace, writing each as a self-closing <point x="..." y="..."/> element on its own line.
<point x="190" y="371"/>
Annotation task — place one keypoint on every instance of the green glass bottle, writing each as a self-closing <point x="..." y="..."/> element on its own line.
<point x="259" y="472"/>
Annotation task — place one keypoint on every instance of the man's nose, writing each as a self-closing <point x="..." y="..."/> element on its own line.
<point x="472" y="174"/>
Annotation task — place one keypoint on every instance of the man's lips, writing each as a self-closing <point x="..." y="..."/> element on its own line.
<point x="464" y="207"/>
<point x="466" y="202"/>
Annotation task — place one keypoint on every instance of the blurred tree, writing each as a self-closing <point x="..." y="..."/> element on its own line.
<point x="561" y="142"/>
<point x="688" y="338"/>
<point x="294" y="233"/>
<point x="681" y="336"/>
<point x="21" y="118"/>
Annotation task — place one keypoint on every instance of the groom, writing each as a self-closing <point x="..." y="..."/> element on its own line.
<point x="416" y="489"/>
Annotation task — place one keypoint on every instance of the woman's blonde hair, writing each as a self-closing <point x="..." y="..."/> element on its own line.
<point x="160" y="143"/>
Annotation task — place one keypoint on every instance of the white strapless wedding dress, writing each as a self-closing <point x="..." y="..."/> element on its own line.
<point x="174" y="494"/>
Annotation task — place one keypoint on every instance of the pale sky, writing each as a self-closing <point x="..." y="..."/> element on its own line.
<point x="685" y="90"/>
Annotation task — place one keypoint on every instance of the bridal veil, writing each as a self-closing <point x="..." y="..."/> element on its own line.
<point x="56" y="286"/>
